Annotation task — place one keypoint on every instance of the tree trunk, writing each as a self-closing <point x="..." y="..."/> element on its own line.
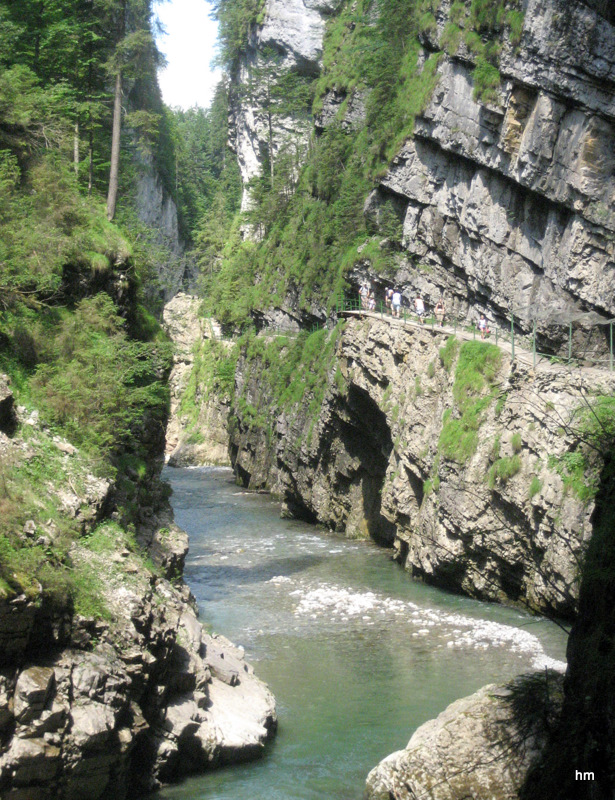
<point x="90" y="157"/>
<point x="76" y="151"/>
<point x="114" y="172"/>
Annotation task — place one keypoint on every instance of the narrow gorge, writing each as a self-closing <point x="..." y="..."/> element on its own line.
<point x="485" y="470"/>
<point x="233" y="309"/>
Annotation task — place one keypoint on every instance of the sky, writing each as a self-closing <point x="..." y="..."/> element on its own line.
<point x="188" y="45"/>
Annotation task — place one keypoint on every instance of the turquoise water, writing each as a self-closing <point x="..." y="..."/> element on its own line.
<point x="357" y="654"/>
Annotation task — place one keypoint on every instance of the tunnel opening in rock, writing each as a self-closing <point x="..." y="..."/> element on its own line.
<point x="368" y="438"/>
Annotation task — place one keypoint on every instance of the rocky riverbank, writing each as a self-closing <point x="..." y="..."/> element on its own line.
<point x="111" y="685"/>
<point x="480" y="746"/>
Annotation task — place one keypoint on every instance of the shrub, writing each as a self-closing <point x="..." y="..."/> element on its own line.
<point x="535" y="487"/>
<point x="448" y="353"/>
<point x="503" y="470"/>
<point x="473" y="391"/>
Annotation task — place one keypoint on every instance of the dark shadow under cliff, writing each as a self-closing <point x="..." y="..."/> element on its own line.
<point x="579" y="763"/>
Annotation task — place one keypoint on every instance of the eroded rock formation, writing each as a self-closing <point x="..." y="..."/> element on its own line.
<point x="502" y="523"/>
<point x="289" y="41"/>
<point x="131" y="692"/>
<point x="480" y="746"/>
<point x="202" y="439"/>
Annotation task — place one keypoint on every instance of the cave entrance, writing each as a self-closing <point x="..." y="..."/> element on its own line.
<point x="368" y="438"/>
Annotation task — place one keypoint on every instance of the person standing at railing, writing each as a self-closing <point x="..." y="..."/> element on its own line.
<point x="440" y="311"/>
<point x="388" y="299"/>
<point x="364" y="292"/>
<point x="419" y="307"/>
<point x="482" y="326"/>
<point x="371" y="300"/>
<point x="396" y="302"/>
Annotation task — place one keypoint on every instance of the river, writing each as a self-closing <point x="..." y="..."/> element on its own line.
<point x="357" y="654"/>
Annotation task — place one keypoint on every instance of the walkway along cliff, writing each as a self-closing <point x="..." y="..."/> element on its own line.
<point x="472" y="467"/>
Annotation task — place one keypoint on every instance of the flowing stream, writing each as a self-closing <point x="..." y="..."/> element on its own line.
<point x="357" y="654"/>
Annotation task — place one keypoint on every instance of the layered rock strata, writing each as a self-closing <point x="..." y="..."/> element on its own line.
<point x="507" y="207"/>
<point x="502" y="522"/>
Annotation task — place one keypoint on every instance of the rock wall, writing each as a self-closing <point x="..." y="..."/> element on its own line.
<point x="156" y="209"/>
<point x="289" y="40"/>
<point x="502" y="524"/>
<point x="204" y="438"/>
<point x="508" y="207"/>
<point x="133" y="693"/>
<point x="480" y="746"/>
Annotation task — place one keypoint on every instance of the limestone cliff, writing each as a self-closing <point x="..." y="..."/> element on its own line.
<point x="386" y="456"/>
<point x="157" y="211"/>
<point x="510" y="204"/>
<point x="197" y="428"/>
<point x="480" y="746"/>
<point x="289" y="41"/>
<point x="505" y="200"/>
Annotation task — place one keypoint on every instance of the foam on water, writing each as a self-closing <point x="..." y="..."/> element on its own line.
<point x="458" y="630"/>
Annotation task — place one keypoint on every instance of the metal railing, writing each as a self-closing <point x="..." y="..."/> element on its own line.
<point x="498" y="334"/>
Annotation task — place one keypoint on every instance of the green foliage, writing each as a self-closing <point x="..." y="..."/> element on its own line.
<point x="96" y="384"/>
<point x="535" y="487"/>
<point x="499" y="406"/>
<point x="574" y="471"/>
<point x="208" y="182"/>
<point x="46" y="224"/>
<point x="473" y="391"/>
<point x="486" y="78"/>
<point x="235" y="18"/>
<point x="431" y="485"/>
<point x="515" y="20"/>
<point x="213" y="372"/>
<point x="451" y="37"/>
<point x="292" y="371"/>
<point x="516" y="443"/>
<point x="484" y="28"/>
<point x="503" y="469"/>
<point x="310" y="221"/>
<point x="448" y="353"/>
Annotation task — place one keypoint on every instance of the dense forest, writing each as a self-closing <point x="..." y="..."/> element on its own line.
<point x="77" y="337"/>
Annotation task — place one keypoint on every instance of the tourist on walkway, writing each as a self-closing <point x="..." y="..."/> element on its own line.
<point x="388" y="298"/>
<point x="440" y="311"/>
<point x="364" y="291"/>
<point x="396" y="302"/>
<point x="482" y="326"/>
<point x="419" y="307"/>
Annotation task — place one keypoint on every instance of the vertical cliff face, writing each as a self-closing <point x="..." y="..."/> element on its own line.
<point x="452" y="454"/>
<point x="510" y="203"/>
<point x="263" y="128"/>
<point x="505" y="195"/>
<point x="156" y="209"/>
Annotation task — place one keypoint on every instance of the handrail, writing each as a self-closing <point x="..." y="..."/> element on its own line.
<point x="502" y="334"/>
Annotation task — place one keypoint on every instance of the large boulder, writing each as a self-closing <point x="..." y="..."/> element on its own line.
<point x="479" y="747"/>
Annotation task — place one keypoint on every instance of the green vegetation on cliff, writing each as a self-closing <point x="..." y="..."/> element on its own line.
<point x="86" y="358"/>
<point x="473" y="390"/>
<point x="306" y="211"/>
